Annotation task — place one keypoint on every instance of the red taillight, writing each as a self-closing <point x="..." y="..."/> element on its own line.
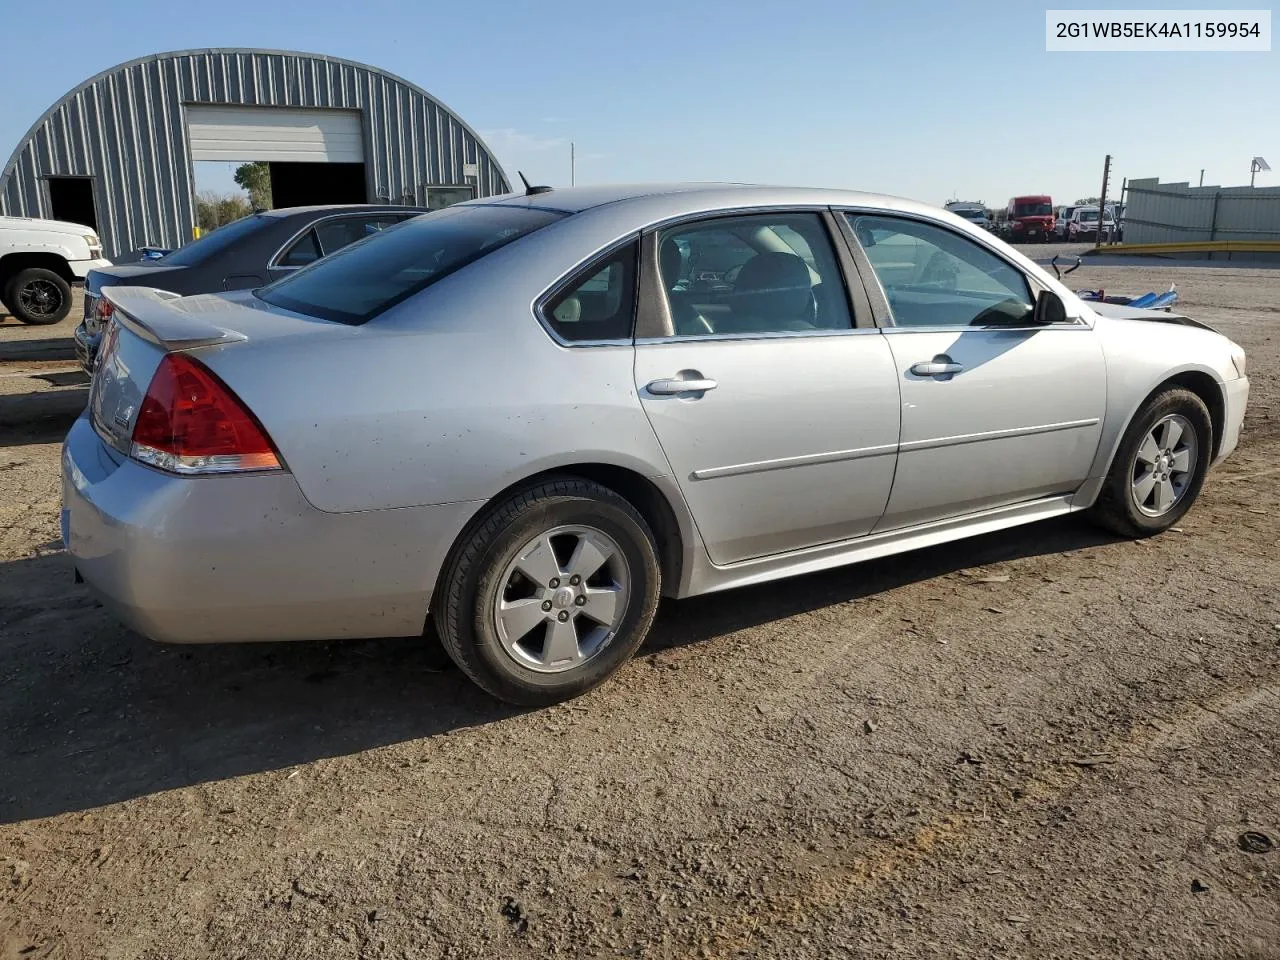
<point x="191" y="422"/>
<point x="102" y="309"/>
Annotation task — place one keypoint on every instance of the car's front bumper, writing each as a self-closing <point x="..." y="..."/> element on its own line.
<point x="1235" y="395"/>
<point x="238" y="558"/>
<point x="81" y="268"/>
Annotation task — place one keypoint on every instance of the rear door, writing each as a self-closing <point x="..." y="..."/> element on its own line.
<point x="995" y="410"/>
<point x="777" y="413"/>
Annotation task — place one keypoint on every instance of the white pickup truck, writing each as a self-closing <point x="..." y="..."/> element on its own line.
<point x="39" y="260"/>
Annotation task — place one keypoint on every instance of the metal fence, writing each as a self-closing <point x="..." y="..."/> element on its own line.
<point x="1158" y="212"/>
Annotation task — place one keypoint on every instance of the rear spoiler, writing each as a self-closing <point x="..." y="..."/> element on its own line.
<point x="150" y="314"/>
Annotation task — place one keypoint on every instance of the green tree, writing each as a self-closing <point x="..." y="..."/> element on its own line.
<point x="255" y="178"/>
<point x="214" y="209"/>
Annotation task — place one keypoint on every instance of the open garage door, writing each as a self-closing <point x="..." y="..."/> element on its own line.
<point x="275" y="134"/>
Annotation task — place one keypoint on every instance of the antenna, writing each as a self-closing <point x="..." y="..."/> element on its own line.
<point x="1257" y="166"/>
<point x="530" y="190"/>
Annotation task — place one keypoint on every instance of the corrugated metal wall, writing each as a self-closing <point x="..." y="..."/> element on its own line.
<point x="126" y="129"/>
<point x="1158" y="212"/>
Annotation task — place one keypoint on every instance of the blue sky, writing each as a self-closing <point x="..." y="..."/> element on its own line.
<point x="922" y="99"/>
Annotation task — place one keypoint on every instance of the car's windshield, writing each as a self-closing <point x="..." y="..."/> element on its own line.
<point x="1032" y="209"/>
<point x="1088" y="216"/>
<point x="198" y="251"/>
<point x="971" y="214"/>
<point x="358" y="282"/>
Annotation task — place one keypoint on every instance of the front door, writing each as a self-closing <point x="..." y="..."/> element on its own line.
<point x="995" y="411"/>
<point x="778" y="417"/>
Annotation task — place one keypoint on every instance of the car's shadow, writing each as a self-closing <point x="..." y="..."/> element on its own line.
<point x="46" y="348"/>
<point x="93" y="714"/>
<point x="44" y="416"/>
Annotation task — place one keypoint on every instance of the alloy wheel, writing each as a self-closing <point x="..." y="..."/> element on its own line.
<point x="563" y="598"/>
<point x="40" y="298"/>
<point x="1164" y="465"/>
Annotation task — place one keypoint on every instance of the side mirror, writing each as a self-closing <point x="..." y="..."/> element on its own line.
<point x="1049" y="309"/>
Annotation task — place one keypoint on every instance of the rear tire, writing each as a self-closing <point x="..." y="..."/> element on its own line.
<point x="1159" y="467"/>
<point x="550" y="593"/>
<point x="38" y="296"/>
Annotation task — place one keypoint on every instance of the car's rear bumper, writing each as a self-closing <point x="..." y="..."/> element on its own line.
<point x="1235" y="399"/>
<point x="208" y="559"/>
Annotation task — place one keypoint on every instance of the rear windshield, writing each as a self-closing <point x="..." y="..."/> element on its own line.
<point x="359" y="282"/>
<point x="971" y="214"/>
<point x="1033" y="210"/>
<point x="198" y="251"/>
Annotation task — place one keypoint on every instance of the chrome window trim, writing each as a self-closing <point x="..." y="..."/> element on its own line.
<point x="776" y="335"/>
<point x="743" y="211"/>
<point x="1076" y="324"/>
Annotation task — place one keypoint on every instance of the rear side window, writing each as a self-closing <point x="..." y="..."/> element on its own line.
<point x="336" y="234"/>
<point x="211" y="244"/>
<point x="600" y="302"/>
<point x="305" y="250"/>
<point x="372" y="275"/>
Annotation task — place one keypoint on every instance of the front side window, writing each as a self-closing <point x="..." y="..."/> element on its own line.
<point x="600" y="302"/>
<point x="749" y="275"/>
<point x="372" y="275"/>
<point x="935" y="278"/>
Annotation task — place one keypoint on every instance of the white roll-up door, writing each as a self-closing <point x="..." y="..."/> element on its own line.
<point x="274" y="133"/>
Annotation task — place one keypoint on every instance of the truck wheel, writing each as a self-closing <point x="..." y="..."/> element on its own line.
<point x="38" y="296"/>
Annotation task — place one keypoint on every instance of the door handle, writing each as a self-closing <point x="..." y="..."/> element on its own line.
<point x="936" y="368"/>
<point x="676" y="386"/>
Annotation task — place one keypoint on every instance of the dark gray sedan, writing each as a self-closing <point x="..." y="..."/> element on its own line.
<point x="242" y="255"/>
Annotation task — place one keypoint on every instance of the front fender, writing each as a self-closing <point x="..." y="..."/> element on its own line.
<point x="1141" y="357"/>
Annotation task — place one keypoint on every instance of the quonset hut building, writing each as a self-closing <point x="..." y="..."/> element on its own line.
<point x="116" y="153"/>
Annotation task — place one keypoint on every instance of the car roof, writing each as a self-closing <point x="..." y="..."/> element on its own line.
<point x="338" y="208"/>
<point x="693" y="197"/>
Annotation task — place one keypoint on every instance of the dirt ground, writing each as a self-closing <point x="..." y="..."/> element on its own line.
<point x="1040" y="743"/>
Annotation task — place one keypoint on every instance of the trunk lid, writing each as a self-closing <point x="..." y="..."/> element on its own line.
<point x="148" y="323"/>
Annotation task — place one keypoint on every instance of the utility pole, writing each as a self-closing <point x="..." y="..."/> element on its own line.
<point x="1202" y="176"/>
<point x="573" y="164"/>
<point x="1102" y="202"/>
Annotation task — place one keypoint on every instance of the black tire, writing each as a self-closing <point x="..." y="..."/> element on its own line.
<point x="472" y="581"/>
<point x="38" y="296"/>
<point x="1116" y="509"/>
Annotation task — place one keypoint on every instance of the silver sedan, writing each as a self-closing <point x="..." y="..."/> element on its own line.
<point x="524" y="419"/>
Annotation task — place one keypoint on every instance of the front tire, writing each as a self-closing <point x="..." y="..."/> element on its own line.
<point x="550" y="593"/>
<point x="1159" y="468"/>
<point x="38" y="296"/>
